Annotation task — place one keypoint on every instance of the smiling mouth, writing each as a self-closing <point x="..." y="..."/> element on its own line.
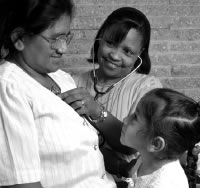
<point x="111" y="65"/>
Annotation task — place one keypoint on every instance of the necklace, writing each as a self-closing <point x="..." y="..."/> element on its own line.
<point x="55" y="88"/>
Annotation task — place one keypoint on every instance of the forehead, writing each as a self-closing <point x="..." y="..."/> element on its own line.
<point x="129" y="38"/>
<point x="133" y="39"/>
<point x="60" y="27"/>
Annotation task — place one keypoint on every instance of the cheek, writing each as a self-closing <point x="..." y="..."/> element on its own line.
<point x="103" y="50"/>
<point x="129" y="135"/>
<point x="129" y="62"/>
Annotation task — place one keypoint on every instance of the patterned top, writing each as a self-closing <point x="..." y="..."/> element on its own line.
<point x="122" y="99"/>
<point x="44" y="139"/>
<point x="170" y="175"/>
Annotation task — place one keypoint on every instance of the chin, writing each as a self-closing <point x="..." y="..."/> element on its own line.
<point x="55" y="66"/>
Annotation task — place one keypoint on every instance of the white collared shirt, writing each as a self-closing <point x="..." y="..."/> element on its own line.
<point x="44" y="139"/>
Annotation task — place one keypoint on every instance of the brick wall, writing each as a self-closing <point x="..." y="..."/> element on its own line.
<point x="175" y="39"/>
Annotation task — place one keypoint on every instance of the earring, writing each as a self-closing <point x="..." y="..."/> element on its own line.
<point x="4" y="52"/>
<point x="19" y="45"/>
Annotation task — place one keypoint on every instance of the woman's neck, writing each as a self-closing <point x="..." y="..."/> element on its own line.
<point x="42" y="78"/>
<point x="106" y="80"/>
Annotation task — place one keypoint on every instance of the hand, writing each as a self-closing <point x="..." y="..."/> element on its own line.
<point x="81" y="101"/>
<point x="116" y="165"/>
<point x="125" y="167"/>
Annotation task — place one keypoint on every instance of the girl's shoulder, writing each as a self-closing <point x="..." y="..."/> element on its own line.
<point x="172" y="175"/>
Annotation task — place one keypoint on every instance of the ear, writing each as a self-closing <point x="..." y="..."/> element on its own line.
<point x="157" y="144"/>
<point x="141" y="51"/>
<point x="17" y="39"/>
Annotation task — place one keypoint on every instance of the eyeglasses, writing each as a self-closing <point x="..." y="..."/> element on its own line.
<point x="59" y="43"/>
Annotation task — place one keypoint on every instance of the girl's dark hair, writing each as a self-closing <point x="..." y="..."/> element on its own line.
<point x="176" y="118"/>
<point x="116" y="27"/>
<point x="33" y="16"/>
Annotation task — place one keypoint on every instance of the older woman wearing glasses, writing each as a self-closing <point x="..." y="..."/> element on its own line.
<point x="43" y="141"/>
<point x="121" y="49"/>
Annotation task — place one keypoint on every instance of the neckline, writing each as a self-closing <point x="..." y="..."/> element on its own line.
<point x="56" y="90"/>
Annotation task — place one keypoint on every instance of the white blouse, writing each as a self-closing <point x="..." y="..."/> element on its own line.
<point x="44" y="139"/>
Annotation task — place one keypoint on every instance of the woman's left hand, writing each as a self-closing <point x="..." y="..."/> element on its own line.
<point x="81" y="101"/>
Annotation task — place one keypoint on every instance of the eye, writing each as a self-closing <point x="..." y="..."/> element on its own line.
<point x="133" y="117"/>
<point x="109" y="43"/>
<point x="128" y="52"/>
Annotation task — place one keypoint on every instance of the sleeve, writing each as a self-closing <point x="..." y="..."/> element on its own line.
<point x="19" y="153"/>
<point x="146" y="84"/>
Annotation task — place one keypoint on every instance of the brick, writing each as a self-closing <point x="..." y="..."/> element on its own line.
<point x="175" y="34"/>
<point x="169" y="10"/>
<point x="181" y="83"/>
<point x="74" y="60"/>
<point x="159" y="46"/>
<point x="121" y="2"/>
<point x="161" y="21"/>
<point x="183" y="10"/>
<point x="184" y="46"/>
<point x="173" y="59"/>
<point x="84" y="34"/>
<point x="185" y="70"/>
<point x="150" y="10"/>
<point x="160" y="71"/>
<point x="87" y="23"/>
<point x="185" y="2"/>
<point x="95" y="11"/>
<point x="80" y="47"/>
<point x="185" y="22"/>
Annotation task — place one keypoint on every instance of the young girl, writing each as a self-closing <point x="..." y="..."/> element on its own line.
<point x="165" y="124"/>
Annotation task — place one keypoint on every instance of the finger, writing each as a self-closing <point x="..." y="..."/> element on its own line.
<point x="79" y="107"/>
<point x="77" y="104"/>
<point x="73" y="98"/>
<point x="69" y="98"/>
<point x="68" y="93"/>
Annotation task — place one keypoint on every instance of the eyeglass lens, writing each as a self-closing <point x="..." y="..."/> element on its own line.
<point x="62" y="42"/>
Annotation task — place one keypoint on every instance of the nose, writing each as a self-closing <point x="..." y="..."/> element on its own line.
<point x="62" y="49"/>
<point x="115" y="54"/>
<point x="125" y="120"/>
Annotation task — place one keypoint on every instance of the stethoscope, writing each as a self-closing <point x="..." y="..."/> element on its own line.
<point x="111" y="86"/>
<point x="101" y="135"/>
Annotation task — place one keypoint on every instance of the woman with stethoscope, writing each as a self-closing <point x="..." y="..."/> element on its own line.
<point x="121" y="51"/>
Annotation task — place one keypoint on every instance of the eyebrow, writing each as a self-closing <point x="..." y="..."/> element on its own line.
<point x="135" y="51"/>
<point x="60" y="34"/>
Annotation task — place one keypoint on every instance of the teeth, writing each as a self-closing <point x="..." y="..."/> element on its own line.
<point x="112" y="65"/>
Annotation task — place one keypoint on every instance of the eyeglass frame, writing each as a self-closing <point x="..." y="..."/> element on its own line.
<point x="52" y="41"/>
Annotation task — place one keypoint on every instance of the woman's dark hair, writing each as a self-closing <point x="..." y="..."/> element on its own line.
<point x="116" y="27"/>
<point x="176" y="118"/>
<point x="32" y="16"/>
